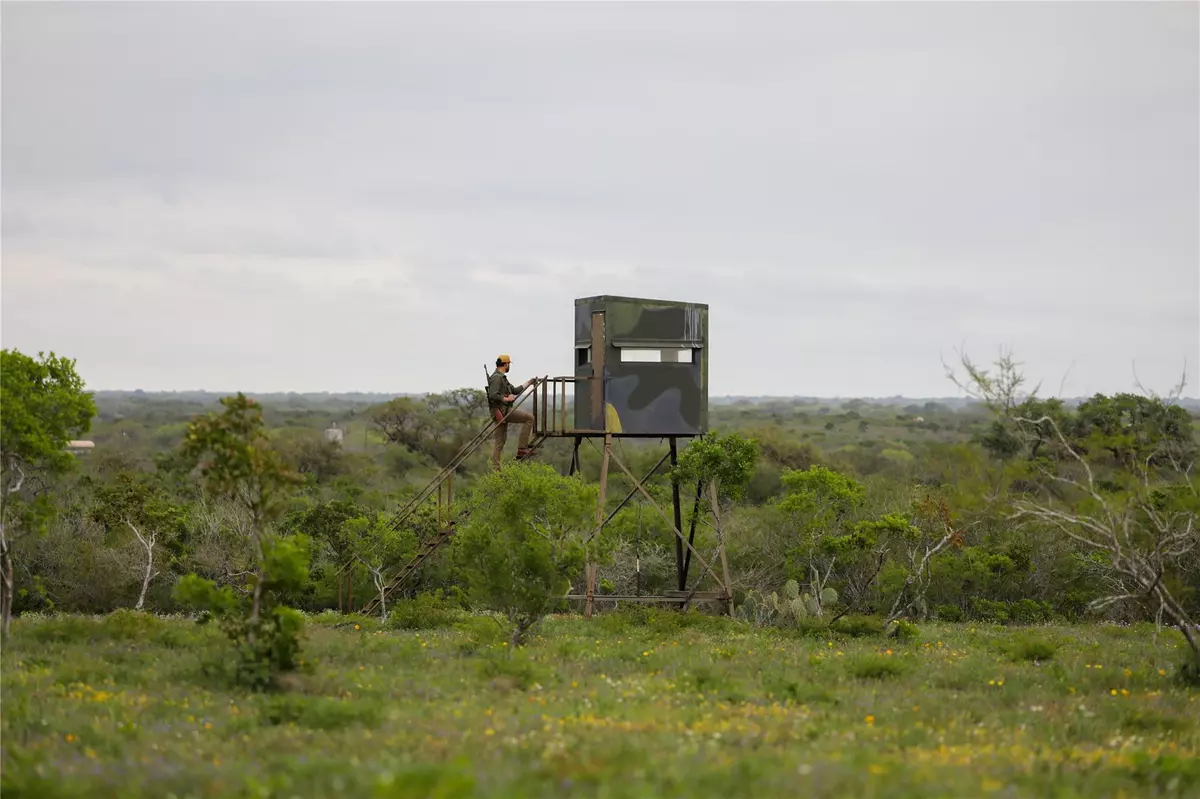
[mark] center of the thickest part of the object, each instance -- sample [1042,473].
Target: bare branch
[1062,385]
[20,480]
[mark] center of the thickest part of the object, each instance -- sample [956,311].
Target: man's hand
[529,382]
[510,398]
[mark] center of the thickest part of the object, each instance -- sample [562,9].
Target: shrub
[950,613]
[132,625]
[989,610]
[526,536]
[857,626]
[1031,648]
[430,611]
[905,631]
[266,634]
[1028,611]
[512,668]
[875,667]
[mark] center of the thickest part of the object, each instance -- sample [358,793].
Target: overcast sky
[383,197]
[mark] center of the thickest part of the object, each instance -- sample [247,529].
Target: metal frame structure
[553,419]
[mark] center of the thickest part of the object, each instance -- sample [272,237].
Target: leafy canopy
[728,460]
[524,539]
[235,455]
[43,405]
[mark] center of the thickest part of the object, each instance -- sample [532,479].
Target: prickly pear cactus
[748,610]
[798,609]
[813,606]
[829,596]
[791,589]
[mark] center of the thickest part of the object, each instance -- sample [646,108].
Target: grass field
[624,705]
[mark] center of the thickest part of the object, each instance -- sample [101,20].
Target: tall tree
[43,405]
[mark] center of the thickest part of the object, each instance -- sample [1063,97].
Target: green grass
[627,705]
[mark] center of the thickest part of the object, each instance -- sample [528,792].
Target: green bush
[857,626]
[524,540]
[989,610]
[875,667]
[1029,611]
[951,613]
[905,631]
[1031,648]
[132,625]
[428,611]
[509,667]
[268,642]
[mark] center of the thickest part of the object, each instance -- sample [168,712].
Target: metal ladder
[445,531]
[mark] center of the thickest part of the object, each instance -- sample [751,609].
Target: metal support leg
[687,560]
[680,574]
[591,567]
[725,582]
[575,457]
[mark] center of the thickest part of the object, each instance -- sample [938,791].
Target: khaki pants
[516,416]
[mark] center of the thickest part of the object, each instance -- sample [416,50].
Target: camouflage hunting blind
[641,367]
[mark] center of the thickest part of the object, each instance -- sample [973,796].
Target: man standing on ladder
[501,395]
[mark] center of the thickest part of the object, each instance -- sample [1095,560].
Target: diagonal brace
[657,507]
[629,496]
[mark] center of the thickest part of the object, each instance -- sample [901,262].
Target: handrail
[465,452]
[550,416]
[429,547]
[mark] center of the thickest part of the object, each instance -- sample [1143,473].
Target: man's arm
[515,390]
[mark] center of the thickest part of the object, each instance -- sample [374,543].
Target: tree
[1131,429]
[722,467]
[467,406]
[378,546]
[324,525]
[406,422]
[525,536]
[922,543]
[818,503]
[237,462]
[43,405]
[133,503]
[308,455]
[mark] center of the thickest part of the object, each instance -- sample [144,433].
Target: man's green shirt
[498,389]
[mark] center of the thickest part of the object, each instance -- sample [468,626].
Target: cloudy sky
[381,197]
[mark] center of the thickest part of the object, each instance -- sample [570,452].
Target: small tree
[134,504]
[818,503]
[43,405]
[921,544]
[722,466]
[524,537]
[378,546]
[237,462]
